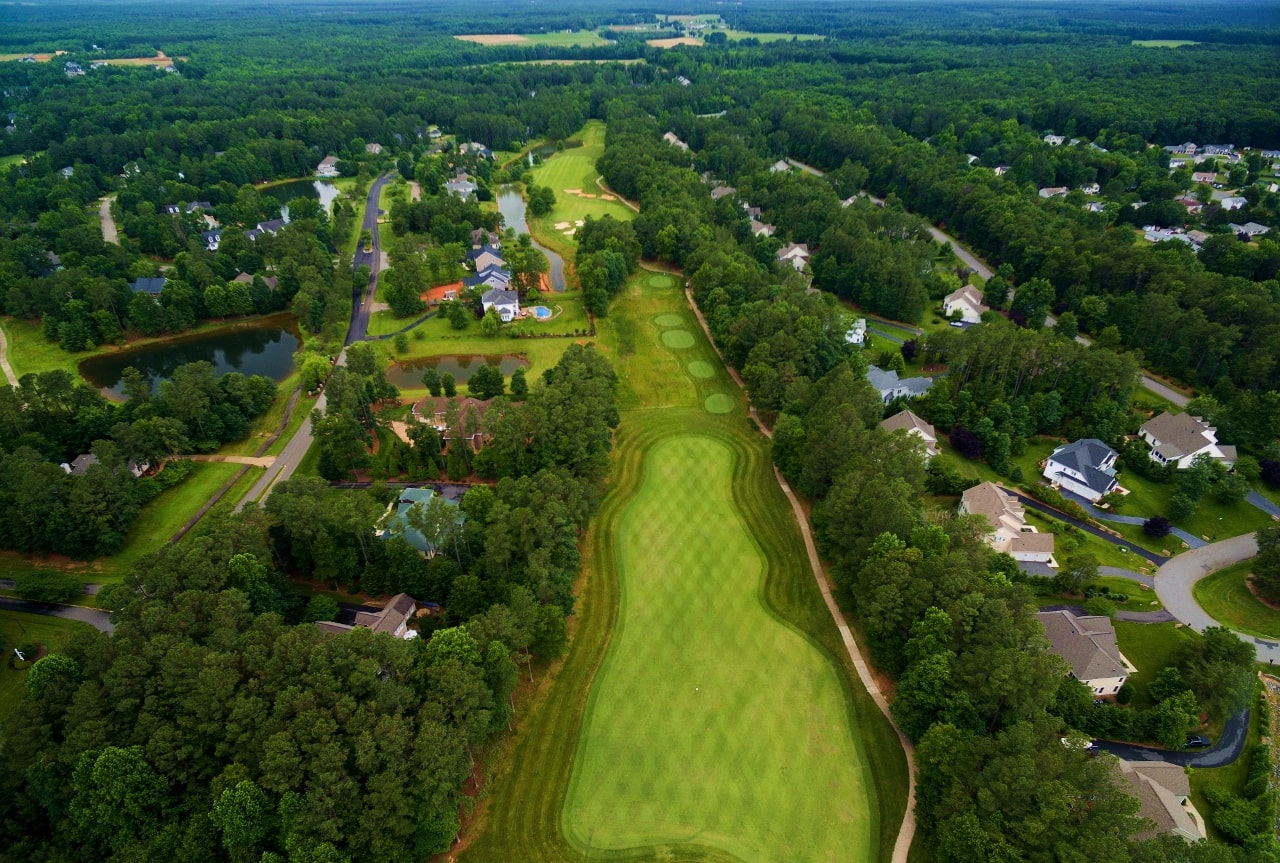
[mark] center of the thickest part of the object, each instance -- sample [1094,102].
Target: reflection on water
[408,373]
[512,207]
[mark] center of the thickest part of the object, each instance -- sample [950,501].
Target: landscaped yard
[1150,647]
[21,628]
[1211,519]
[721,720]
[1227,599]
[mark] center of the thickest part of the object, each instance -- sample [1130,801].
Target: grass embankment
[1227,599]
[736,608]
[21,628]
[1150,647]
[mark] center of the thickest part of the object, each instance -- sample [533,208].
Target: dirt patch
[493,38]
[671,43]
[435,296]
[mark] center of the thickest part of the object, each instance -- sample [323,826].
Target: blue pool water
[542,312]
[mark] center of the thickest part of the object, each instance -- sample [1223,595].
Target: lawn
[10,161]
[737,35]
[707,639]
[1150,647]
[574,168]
[1211,519]
[22,628]
[1227,599]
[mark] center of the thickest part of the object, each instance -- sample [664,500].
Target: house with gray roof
[1164,796]
[148,286]
[1088,644]
[1248,230]
[1085,467]
[1179,438]
[506,302]
[891,387]
[395,521]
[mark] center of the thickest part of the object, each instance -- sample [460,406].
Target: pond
[264,348]
[407,374]
[511,205]
[325,193]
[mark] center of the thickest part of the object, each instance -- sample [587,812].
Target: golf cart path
[906,834]
[4,360]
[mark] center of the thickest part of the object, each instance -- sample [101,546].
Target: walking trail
[4,360]
[906,834]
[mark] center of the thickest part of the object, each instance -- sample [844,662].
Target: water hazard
[511,205]
[407,374]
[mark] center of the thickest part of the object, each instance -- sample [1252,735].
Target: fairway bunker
[701,369]
[718,403]
[677,339]
[669,321]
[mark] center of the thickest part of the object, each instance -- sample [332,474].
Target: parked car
[1196,741]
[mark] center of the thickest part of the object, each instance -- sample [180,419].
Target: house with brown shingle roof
[967,301]
[432,411]
[1010,534]
[392,620]
[1088,644]
[1164,794]
[910,423]
[1179,438]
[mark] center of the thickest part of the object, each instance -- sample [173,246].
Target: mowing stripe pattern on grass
[710,722]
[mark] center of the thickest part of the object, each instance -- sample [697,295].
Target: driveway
[98,619]
[1177,577]
[1222,753]
[1032,503]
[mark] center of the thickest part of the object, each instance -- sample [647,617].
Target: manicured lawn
[1226,598]
[1161,43]
[708,641]
[1211,519]
[10,161]
[1070,539]
[574,168]
[1139,599]
[1150,647]
[22,628]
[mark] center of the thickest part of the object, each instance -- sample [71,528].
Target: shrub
[321,607]
[1270,472]
[1157,526]
[47,586]
[1099,606]
[1181,507]
[966,443]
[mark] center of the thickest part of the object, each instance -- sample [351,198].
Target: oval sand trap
[699,369]
[677,339]
[669,320]
[718,403]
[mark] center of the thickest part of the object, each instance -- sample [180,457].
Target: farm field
[710,640]
[674,41]
[574,39]
[739,35]
[1226,598]
[1161,43]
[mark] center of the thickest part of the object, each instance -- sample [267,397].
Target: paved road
[362,301]
[1222,753]
[98,619]
[4,360]
[1176,578]
[109,233]
[1263,503]
[1127,573]
[1163,390]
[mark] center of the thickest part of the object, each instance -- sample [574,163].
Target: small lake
[511,205]
[408,374]
[258,349]
[318,190]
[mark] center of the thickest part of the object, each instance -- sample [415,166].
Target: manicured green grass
[10,161]
[737,35]
[574,168]
[1211,519]
[1139,599]
[574,39]
[1150,647]
[1161,43]
[1227,599]
[22,628]
[1070,539]
[723,766]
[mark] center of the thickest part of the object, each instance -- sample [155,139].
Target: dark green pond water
[408,374]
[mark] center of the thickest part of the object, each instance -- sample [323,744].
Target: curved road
[95,617]
[1222,753]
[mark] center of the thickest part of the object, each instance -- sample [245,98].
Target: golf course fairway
[711,722]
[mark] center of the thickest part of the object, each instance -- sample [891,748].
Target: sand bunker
[608,198]
[560,226]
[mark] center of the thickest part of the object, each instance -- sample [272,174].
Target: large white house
[506,302]
[1010,532]
[912,424]
[796,254]
[857,332]
[890,386]
[328,167]
[1088,644]
[967,301]
[1179,438]
[1086,467]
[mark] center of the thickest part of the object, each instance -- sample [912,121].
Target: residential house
[80,464]
[890,386]
[1091,188]
[752,212]
[462,185]
[1248,230]
[1054,140]
[1086,467]
[967,301]
[195,206]
[795,254]
[1233,202]
[1218,149]
[212,239]
[1088,644]
[673,140]
[490,277]
[1095,207]
[1164,795]
[1209,177]
[148,286]
[719,192]
[1153,234]
[1179,438]
[434,412]
[1001,170]
[761,229]
[780,167]
[1187,149]
[72,68]
[172,209]
[485,257]
[1192,204]
[507,303]
[481,238]
[1197,238]
[374,149]
[970,158]
[683,81]
[392,620]
[1010,533]
[476,148]
[270,227]
[328,167]
[857,332]
[1054,192]
[910,423]
[272,282]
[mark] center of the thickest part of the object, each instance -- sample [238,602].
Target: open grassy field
[1161,43]
[1211,519]
[560,39]
[1226,598]
[751,625]
[574,169]
[9,161]
[22,628]
[1150,647]
[739,35]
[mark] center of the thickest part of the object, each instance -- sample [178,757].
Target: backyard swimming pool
[542,312]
